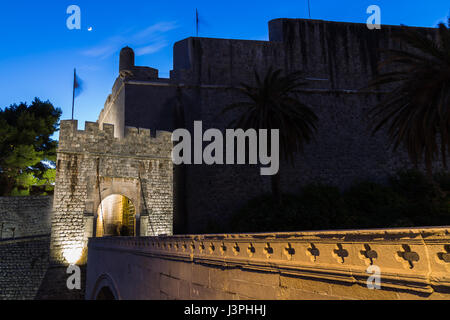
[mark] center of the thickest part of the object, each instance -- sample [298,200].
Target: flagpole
[73,95]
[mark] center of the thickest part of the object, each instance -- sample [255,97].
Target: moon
[90,29]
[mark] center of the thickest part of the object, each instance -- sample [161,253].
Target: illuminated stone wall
[91,165]
[413,264]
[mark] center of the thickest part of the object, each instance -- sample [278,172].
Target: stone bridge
[412,264]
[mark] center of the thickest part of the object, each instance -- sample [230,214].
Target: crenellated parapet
[136,141]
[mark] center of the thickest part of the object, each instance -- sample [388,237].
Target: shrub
[428,204]
[318,207]
[264,214]
[409,200]
[371,205]
[321,207]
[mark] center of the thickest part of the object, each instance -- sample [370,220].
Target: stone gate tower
[92,165]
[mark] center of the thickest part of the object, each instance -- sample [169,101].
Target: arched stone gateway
[116,216]
[95,168]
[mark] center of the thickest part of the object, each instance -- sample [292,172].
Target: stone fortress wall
[23,265]
[25,216]
[24,245]
[338,59]
[114,157]
[49,235]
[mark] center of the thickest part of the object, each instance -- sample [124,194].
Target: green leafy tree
[273,103]
[27,152]
[416,111]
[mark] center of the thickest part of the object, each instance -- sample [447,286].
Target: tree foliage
[27,151]
[416,111]
[273,103]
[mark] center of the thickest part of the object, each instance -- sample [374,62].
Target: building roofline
[349,23]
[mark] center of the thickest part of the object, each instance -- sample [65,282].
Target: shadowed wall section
[337,58]
[413,264]
[23,265]
[25,216]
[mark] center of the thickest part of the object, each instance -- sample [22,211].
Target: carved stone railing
[413,259]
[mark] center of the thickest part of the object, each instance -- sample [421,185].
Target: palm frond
[416,111]
[272,103]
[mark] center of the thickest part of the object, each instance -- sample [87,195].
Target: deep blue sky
[38,52]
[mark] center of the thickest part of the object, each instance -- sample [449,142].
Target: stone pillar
[143,225]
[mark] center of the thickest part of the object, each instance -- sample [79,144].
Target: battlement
[137,141]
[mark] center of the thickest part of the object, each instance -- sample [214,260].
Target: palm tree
[272,103]
[416,111]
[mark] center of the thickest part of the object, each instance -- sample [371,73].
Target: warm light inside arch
[116,216]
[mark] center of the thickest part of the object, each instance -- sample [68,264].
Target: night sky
[38,52]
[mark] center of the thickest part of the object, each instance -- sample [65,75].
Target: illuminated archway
[116,216]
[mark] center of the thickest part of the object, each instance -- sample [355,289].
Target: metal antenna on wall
[309,8]
[74,87]
[196,21]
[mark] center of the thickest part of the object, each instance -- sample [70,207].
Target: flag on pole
[77,88]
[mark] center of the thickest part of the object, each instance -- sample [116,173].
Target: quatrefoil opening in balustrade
[368,255]
[407,256]
[289,251]
[444,257]
[313,252]
[236,249]
[251,250]
[268,250]
[211,248]
[201,248]
[223,248]
[340,253]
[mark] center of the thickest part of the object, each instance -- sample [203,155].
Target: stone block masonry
[25,216]
[26,272]
[93,164]
[23,264]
